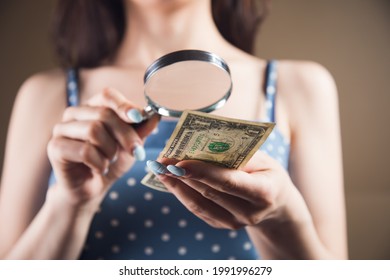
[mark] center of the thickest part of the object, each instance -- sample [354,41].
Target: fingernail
[156,167]
[176,170]
[134,115]
[139,152]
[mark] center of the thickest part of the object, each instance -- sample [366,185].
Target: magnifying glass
[186,80]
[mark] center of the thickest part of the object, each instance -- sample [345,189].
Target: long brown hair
[87,32]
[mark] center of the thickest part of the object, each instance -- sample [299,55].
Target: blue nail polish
[176,170]
[134,115]
[156,167]
[139,153]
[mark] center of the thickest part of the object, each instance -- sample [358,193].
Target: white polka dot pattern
[131,182]
[247,246]
[148,196]
[131,210]
[182,251]
[72,85]
[114,223]
[215,248]
[148,251]
[115,249]
[165,237]
[132,236]
[113,195]
[199,236]
[165,210]
[182,223]
[148,223]
[233,234]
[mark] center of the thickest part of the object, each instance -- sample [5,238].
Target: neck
[154,31]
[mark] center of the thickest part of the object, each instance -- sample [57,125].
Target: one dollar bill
[219,140]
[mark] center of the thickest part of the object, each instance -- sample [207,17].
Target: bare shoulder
[39,105]
[43,85]
[306,87]
[307,78]
[43,94]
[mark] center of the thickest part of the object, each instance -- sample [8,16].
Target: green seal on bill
[219,147]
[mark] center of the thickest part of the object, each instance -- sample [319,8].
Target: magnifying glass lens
[187,80]
[188,85]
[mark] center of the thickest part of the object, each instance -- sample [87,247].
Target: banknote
[219,140]
[151,181]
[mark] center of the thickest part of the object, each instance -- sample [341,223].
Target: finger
[234,182]
[145,128]
[92,131]
[200,206]
[126,110]
[63,151]
[124,134]
[243,210]
[224,200]
[260,161]
[115,100]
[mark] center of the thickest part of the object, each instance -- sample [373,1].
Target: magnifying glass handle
[148,112]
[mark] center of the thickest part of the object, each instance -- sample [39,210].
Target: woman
[94,207]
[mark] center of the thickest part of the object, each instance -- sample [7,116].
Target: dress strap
[72,87]
[270,89]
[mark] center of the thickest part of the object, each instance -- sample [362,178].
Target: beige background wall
[350,37]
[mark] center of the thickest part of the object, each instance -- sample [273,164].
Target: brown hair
[87,32]
[239,20]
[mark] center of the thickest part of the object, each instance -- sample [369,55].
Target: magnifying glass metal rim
[179,56]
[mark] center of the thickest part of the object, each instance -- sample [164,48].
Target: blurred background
[351,38]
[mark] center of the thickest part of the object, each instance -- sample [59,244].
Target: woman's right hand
[96,144]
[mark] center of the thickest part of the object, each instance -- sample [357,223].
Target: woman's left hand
[227,198]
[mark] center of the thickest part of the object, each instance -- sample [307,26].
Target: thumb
[145,128]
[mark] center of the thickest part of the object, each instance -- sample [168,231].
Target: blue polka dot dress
[136,222]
